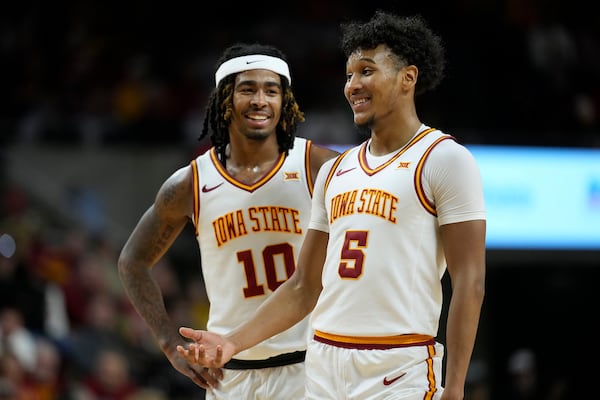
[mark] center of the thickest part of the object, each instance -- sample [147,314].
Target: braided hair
[219,108]
[409,38]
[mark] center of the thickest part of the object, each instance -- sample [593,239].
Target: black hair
[409,38]
[218,110]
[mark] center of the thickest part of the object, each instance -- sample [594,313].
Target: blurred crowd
[139,73]
[67,330]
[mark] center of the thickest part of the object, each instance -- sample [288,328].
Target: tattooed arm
[154,234]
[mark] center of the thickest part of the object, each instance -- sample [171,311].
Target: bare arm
[464,245]
[290,303]
[152,237]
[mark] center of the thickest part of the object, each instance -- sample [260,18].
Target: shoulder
[320,154]
[176,191]
[451,151]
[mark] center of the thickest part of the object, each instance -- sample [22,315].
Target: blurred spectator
[97,333]
[110,378]
[477,384]
[40,302]
[16,339]
[12,379]
[46,380]
[523,373]
[17,218]
[198,302]
[21,291]
[89,278]
[525,380]
[80,81]
[149,394]
[7,389]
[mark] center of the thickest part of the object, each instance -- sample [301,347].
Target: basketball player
[389,218]
[248,198]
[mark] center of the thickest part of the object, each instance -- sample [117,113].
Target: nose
[352,83]
[259,98]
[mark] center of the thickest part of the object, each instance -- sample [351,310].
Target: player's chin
[363,121]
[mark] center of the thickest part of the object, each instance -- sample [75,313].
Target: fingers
[190,353]
[185,353]
[206,378]
[196,354]
[203,358]
[209,378]
[219,355]
[190,333]
[216,372]
[199,381]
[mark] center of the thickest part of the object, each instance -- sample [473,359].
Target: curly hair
[219,108]
[409,38]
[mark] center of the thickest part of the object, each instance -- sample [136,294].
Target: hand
[208,350]
[200,375]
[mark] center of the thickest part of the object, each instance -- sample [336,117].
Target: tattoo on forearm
[162,241]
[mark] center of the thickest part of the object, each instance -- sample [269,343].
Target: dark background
[519,72]
[134,76]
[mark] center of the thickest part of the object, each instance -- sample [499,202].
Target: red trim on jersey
[196,187]
[373,342]
[250,188]
[429,206]
[430,373]
[307,168]
[362,154]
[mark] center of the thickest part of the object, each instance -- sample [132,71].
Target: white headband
[255,61]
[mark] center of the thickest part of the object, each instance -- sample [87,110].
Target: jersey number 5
[352,257]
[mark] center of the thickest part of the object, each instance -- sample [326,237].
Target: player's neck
[249,164]
[392,137]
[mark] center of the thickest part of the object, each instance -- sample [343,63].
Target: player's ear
[409,76]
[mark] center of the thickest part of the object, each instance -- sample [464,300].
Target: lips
[257,120]
[257,117]
[358,103]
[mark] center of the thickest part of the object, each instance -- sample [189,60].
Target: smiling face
[373,84]
[257,103]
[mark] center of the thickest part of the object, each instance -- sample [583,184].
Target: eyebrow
[254,82]
[368,59]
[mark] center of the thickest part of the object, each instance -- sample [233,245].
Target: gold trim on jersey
[373,342]
[235,182]
[428,205]
[307,169]
[196,188]
[362,155]
[430,374]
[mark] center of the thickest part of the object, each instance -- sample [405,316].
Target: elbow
[304,292]
[123,266]
[479,291]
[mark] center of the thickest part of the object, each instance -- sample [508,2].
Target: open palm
[207,349]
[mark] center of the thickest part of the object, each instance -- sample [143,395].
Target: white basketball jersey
[249,238]
[382,275]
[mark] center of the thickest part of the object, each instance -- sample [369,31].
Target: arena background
[101,101]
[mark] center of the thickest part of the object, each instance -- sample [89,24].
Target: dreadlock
[409,38]
[218,110]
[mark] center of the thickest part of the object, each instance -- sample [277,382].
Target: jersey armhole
[195,186]
[427,204]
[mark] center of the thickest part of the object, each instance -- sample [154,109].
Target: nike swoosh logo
[252,62]
[343,171]
[387,382]
[206,189]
